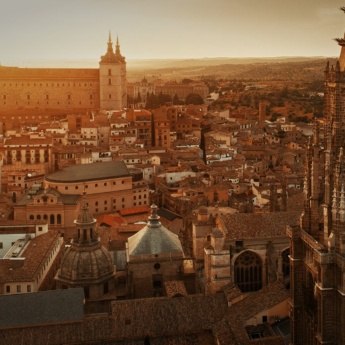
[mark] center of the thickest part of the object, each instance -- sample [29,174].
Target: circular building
[86,263]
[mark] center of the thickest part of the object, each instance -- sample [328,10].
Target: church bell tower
[112,78]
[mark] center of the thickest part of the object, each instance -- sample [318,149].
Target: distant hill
[263,68]
[282,68]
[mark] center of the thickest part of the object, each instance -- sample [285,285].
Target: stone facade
[154,256]
[110,187]
[317,301]
[66,89]
[246,249]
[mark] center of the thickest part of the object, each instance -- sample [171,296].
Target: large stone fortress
[66,89]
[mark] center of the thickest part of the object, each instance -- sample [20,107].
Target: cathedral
[66,89]
[317,257]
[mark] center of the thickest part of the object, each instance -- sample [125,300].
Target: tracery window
[248,272]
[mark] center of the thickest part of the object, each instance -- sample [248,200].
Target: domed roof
[85,216]
[86,261]
[154,238]
[86,265]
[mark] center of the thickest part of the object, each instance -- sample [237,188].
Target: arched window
[45,217]
[31,217]
[58,219]
[286,263]
[38,217]
[52,219]
[248,272]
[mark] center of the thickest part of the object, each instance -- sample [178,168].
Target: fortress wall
[43,88]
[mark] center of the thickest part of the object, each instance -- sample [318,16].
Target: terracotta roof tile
[256,225]
[34,257]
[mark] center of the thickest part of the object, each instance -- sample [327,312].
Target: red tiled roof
[110,219]
[134,210]
[260,225]
[36,254]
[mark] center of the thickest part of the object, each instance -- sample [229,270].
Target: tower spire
[110,44]
[117,51]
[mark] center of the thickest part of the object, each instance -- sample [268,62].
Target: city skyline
[76,31]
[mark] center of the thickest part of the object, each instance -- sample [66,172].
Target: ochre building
[65,89]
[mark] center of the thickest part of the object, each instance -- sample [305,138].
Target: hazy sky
[56,30]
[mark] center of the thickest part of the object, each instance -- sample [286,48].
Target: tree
[186,81]
[176,100]
[163,99]
[194,98]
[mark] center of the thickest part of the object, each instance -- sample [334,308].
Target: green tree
[186,81]
[162,99]
[194,98]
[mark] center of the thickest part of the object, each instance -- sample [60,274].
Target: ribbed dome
[86,265]
[85,216]
[85,262]
[154,238]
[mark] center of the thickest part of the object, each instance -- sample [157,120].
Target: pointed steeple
[117,45]
[109,56]
[110,44]
[327,67]
[341,42]
[117,51]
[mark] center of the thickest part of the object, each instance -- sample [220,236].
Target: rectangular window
[109,96]
[18,288]
[239,243]
[1,245]
[8,289]
[28,288]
